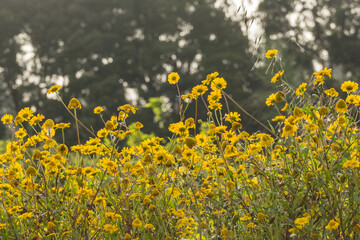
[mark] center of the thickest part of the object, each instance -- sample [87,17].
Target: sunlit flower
[136,223]
[333,224]
[271,53]
[98,110]
[301,89]
[54,89]
[173,78]
[277,76]
[341,106]
[74,103]
[349,86]
[7,119]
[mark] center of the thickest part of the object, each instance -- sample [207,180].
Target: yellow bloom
[288,130]
[110,228]
[349,86]
[353,99]
[199,90]
[150,227]
[277,76]
[341,106]
[232,117]
[278,119]
[319,76]
[54,89]
[209,78]
[331,92]
[218,83]
[136,223]
[301,89]
[26,113]
[173,78]
[138,125]
[271,53]
[74,103]
[333,224]
[127,108]
[7,119]
[98,110]
[271,99]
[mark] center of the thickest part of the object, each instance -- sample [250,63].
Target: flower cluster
[211,179]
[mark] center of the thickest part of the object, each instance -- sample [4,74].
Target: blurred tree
[323,32]
[113,52]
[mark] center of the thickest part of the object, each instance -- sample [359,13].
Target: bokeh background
[111,52]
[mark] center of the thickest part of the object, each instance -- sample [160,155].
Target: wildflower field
[298,178]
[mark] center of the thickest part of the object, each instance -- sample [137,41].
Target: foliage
[298,180]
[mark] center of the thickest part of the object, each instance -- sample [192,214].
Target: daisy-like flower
[110,228]
[277,76]
[173,78]
[341,106]
[271,99]
[331,92]
[199,90]
[301,89]
[54,89]
[209,78]
[271,53]
[98,110]
[288,130]
[74,103]
[136,223]
[333,224]
[7,119]
[218,83]
[349,86]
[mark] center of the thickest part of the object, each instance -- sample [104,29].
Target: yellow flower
[54,89]
[98,110]
[173,78]
[214,96]
[271,53]
[333,224]
[138,125]
[62,125]
[26,215]
[110,228]
[7,119]
[331,92]
[341,106]
[278,119]
[31,171]
[302,221]
[301,89]
[353,99]
[215,106]
[319,76]
[136,223]
[288,130]
[209,78]
[349,86]
[36,119]
[232,117]
[74,103]
[277,76]
[199,90]
[25,113]
[218,83]
[261,216]
[127,108]
[271,99]
[150,227]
